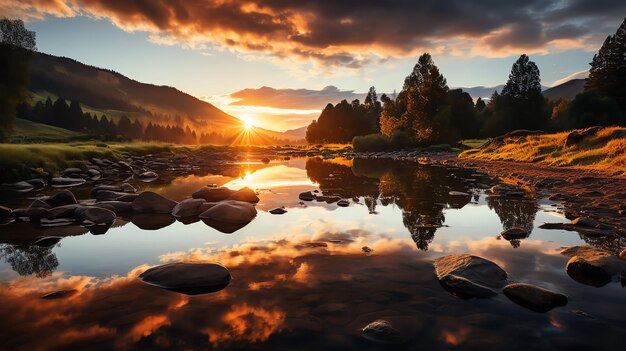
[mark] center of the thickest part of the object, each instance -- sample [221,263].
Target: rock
[473,268]
[60,294]
[107,195]
[62,212]
[592,266]
[306,196]
[514,233]
[458,193]
[116,206]
[278,211]
[622,254]
[125,167]
[94,174]
[37,183]
[150,202]
[148,177]
[20,187]
[213,194]
[381,331]
[366,249]
[245,194]
[71,170]
[58,222]
[465,288]
[572,139]
[63,182]
[62,198]
[47,241]
[127,188]
[533,297]
[188,208]
[188,278]
[5,212]
[265,160]
[37,210]
[587,222]
[230,211]
[343,203]
[95,215]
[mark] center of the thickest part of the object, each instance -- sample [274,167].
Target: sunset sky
[313,51]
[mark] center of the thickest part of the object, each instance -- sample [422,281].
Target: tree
[480,105]
[16,46]
[607,75]
[521,104]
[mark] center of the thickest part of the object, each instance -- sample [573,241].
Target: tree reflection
[30,259]
[421,192]
[514,213]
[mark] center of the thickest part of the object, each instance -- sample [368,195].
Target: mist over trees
[16,46]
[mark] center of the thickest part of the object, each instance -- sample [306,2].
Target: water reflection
[301,280]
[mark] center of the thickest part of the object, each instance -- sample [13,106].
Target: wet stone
[188,278]
[533,297]
[62,198]
[150,202]
[514,233]
[278,211]
[381,331]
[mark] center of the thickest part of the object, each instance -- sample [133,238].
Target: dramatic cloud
[351,33]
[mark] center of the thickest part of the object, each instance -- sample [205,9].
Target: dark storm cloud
[353,33]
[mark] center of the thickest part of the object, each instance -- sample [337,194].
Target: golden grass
[606,150]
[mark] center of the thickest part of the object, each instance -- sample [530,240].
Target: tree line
[427,111]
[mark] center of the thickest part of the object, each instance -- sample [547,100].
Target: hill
[30,132]
[565,91]
[107,92]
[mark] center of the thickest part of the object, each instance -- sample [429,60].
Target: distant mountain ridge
[566,91]
[104,89]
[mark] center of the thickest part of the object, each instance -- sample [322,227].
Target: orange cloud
[349,34]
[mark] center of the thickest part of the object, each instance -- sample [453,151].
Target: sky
[224,51]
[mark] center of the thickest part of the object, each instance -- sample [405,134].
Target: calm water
[289,291]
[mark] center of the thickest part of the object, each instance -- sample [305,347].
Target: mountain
[107,92]
[482,92]
[298,132]
[565,91]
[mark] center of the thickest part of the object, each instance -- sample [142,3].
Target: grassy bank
[15,158]
[604,150]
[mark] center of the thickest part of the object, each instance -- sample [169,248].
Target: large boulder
[213,194]
[188,278]
[62,198]
[188,208]
[95,215]
[230,211]
[245,194]
[469,276]
[66,211]
[306,196]
[533,297]
[593,266]
[150,202]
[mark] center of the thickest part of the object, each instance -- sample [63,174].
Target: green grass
[474,143]
[28,132]
[606,150]
[15,158]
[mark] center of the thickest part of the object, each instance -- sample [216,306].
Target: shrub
[400,140]
[370,142]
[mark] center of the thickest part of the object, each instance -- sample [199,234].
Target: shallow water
[301,280]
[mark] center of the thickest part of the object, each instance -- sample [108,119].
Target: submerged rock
[245,194]
[188,278]
[381,331]
[592,266]
[213,194]
[514,233]
[306,196]
[465,288]
[533,297]
[150,202]
[343,203]
[278,211]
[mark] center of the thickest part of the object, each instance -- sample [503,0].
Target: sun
[247,125]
